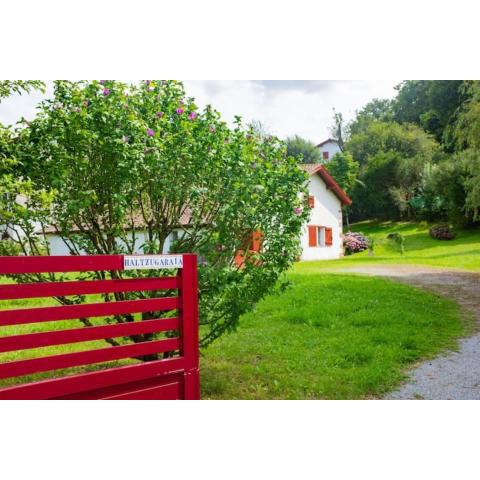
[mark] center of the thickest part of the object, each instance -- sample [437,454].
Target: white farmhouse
[328,148]
[322,236]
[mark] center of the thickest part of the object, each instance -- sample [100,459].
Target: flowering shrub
[443,231]
[354,242]
[127,162]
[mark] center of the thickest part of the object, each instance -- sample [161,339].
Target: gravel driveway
[456,375]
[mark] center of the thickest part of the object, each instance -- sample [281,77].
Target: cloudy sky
[285,107]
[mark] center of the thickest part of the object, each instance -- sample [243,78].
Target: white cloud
[285,107]
[290,107]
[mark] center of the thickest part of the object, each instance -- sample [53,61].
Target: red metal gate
[169,378]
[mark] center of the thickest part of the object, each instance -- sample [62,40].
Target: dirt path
[455,375]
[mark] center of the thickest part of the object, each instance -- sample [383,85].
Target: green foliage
[406,173]
[431,104]
[467,128]
[393,160]
[397,239]
[303,150]
[381,137]
[113,160]
[9,87]
[376,110]
[345,170]
[456,181]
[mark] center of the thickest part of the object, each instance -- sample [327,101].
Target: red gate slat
[57,387]
[57,289]
[54,362]
[60,263]
[70,312]
[61,337]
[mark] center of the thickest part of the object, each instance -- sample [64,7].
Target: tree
[456,182]
[345,171]
[8,87]
[392,158]
[337,129]
[12,184]
[375,110]
[303,150]
[118,159]
[467,127]
[431,104]
[407,140]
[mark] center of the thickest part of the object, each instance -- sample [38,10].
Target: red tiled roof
[313,168]
[138,222]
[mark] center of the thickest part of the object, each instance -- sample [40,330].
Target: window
[325,155]
[256,241]
[319,236]
[311,201]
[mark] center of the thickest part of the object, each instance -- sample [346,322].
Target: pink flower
[298,210]
[150,132]
[179,111]
[213,129]
[192,116]
[102,82]
[106,91]
[160,114]
[125,138]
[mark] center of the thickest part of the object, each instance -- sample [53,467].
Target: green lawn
[463,252]
[330,336]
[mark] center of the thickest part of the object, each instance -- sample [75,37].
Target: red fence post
[189,326]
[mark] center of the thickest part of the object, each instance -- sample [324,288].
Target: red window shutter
[312,236]
[328,237]
[257,238]
[311,201]
[239,258]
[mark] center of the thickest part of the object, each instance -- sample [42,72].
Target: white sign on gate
[147,262]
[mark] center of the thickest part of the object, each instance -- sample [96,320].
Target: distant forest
[416,156]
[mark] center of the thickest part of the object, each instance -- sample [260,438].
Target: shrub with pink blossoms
[354,242]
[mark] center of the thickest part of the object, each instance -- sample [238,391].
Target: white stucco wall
[327,212]
[58,247]
[331,147]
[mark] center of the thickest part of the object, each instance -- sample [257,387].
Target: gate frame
[170,378]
